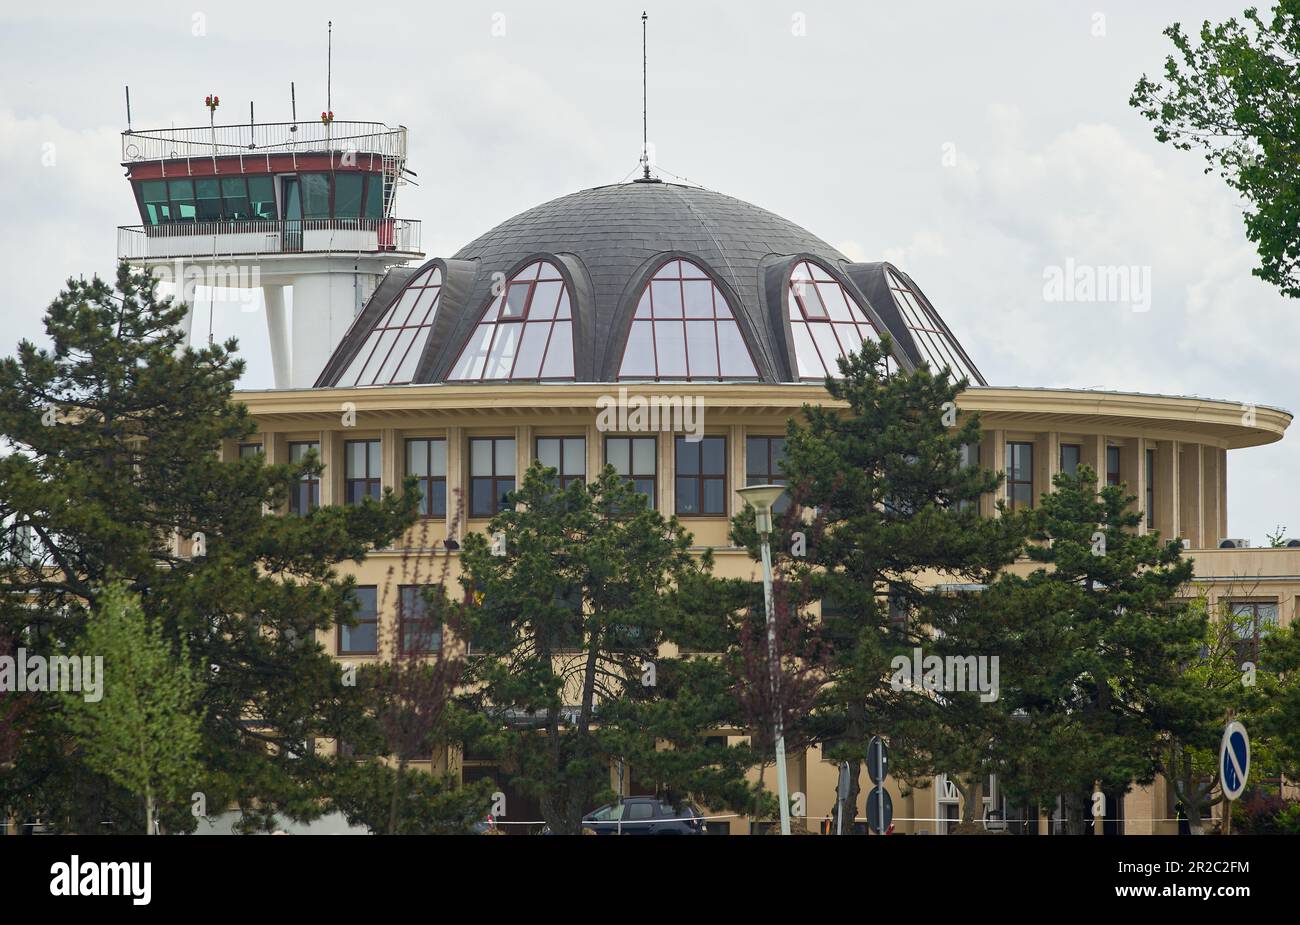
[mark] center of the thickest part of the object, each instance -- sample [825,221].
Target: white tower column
[277,329]
[324,305]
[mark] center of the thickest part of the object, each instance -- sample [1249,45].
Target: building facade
[460,371]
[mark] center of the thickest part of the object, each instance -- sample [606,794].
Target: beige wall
[1190,480]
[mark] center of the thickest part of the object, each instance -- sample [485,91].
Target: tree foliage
[113,468]
[572,597]
[1235,96]
[144,732]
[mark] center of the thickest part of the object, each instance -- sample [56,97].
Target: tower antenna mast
[329,65]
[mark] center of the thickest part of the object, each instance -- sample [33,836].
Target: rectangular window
[363,638]
[492,474]
[427,460]
[157,207]
[315,195]
[207,194]
[250,450]
[1151,488]
[416,630]
[261,197]
[701,476]
[1071,456]
[347,195]
[234,195]
[361,470]
[1020,475]
[763,459]
[374,196]
[1256,619]
[566,455]
[1112,465]
[182,197]
[636,459]
[306,494]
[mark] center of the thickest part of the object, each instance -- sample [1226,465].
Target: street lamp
[761,498]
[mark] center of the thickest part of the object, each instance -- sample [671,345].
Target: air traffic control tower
[305,205]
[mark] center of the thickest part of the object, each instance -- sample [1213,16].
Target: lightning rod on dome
[645,134]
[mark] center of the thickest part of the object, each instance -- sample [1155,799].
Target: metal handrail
[263,138]
[135,242]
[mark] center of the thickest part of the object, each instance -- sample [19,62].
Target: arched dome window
[931,336]
[526,332]
[393,346]
[825,322]
[684,329]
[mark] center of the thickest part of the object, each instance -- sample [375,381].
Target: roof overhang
[1226,424]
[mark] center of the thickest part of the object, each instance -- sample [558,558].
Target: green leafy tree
[1216,687]
[572,597]
[1235,96]
[144,731]
[1109,640]
[896,515]
[114,471]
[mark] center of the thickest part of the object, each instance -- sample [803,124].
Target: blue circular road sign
[1234,760]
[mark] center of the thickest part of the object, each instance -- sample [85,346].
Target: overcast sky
[976,145]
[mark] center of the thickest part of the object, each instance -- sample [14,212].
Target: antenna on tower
[128,109]
[329,66]
[293,106]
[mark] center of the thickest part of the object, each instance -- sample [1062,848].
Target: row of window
[1020,473]
[683,328]
[243,198]
[700,469]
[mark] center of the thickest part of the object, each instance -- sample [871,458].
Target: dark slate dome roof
[607,242]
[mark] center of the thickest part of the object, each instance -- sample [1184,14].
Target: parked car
[646,816]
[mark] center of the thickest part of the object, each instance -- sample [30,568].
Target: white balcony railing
[265,138]
[250,238]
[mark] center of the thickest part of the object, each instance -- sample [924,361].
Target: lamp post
[761,498]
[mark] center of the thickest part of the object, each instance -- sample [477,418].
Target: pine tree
[143,729]
[573,595]
[115,431]
[896,513]
[1104,639]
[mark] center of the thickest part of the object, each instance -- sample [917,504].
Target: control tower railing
[205,240]
[264,138]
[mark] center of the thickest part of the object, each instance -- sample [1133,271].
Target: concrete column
[277,329]
[1094,454]
[1138,486]
[735,467]
[1130,468]
[331,480]
[1167,519]
[993,456]
[457,485]
[665,490]
[1223,494]
[1047,450]
[1053,461]
[323,309]
[1211,522]
[390,459]
[595,451]
[523,451]
[1190,492]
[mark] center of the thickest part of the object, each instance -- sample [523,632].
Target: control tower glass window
[347,195]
